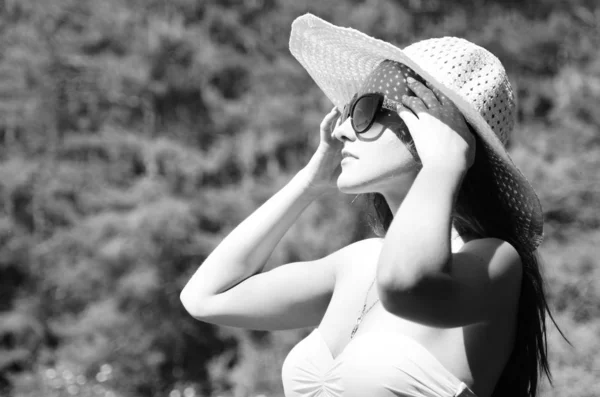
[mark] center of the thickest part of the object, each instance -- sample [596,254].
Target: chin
[352,190]
[355,183]
[352,183]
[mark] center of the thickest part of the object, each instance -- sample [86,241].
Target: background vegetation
[135,134]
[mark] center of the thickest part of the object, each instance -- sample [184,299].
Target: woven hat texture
[340,59]
[389,79]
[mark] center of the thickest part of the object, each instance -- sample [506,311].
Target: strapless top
[373,364]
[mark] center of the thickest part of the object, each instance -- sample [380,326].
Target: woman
[449,297]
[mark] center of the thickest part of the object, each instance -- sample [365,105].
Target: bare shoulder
[360,252]
[501,257]
[493,265]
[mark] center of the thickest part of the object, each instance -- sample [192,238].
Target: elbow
[402,278]
[400,297]
[405,284]
[410,294]
[186,301]
[394,290]
[397,278]
[190,303]
[389,297]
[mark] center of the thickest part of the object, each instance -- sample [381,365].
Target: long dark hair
[478,211]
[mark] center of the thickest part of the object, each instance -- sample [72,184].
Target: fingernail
[410,79]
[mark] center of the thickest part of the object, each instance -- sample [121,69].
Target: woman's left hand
[439,130]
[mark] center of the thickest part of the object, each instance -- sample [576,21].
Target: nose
[344,131]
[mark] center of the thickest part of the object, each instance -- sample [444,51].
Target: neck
[394,201]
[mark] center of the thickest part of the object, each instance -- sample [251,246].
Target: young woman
[449,296]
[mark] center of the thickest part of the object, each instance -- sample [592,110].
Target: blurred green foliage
[135,134]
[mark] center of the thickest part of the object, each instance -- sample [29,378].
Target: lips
[347,154]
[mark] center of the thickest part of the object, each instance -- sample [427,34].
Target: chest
[388,356]
[377,364]
[346,306]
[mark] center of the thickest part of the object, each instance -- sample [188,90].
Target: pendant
[358,320]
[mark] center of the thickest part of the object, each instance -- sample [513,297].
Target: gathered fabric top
[374,364]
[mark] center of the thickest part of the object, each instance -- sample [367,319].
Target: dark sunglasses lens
[364,112]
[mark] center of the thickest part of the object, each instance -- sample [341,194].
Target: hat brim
[340,59]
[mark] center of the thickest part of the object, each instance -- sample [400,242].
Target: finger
[338,121]
[438,94]
[414,103]
[424,93]
[335,113]
[449,108]
[408,117]
[443,98]
[329,119]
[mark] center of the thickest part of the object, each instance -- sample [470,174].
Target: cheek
[393,152]
[386,157]
[394,158]
[402,133]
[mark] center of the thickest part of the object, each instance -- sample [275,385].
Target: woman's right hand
[324,167]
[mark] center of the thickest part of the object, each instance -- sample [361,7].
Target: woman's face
[380,161]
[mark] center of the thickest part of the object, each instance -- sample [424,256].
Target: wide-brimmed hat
[340,59]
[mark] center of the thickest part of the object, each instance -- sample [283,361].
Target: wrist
[443,179]
[444,169]
[307,184]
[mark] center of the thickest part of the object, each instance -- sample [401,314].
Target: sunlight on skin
[438,128]
[382,162]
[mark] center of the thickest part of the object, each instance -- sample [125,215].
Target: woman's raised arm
[245,251]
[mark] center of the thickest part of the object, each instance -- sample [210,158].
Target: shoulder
[499,255]
[492,263]
[366,246]
[363,253]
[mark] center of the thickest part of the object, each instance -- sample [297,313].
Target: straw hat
[340,59]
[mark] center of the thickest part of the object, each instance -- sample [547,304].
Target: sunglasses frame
[382,102]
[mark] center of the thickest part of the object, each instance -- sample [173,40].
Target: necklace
[364,310]
[453,237]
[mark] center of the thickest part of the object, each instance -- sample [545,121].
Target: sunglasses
[363,110]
